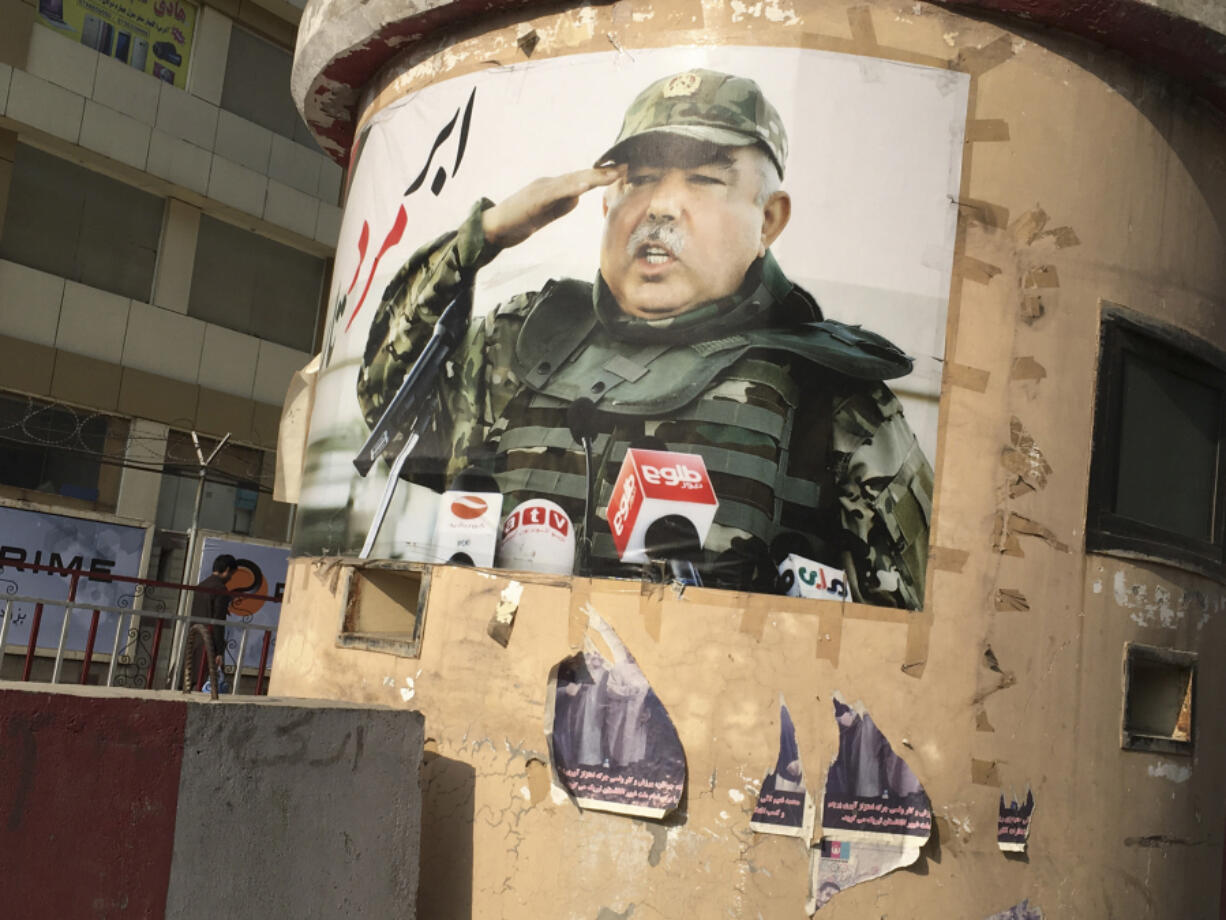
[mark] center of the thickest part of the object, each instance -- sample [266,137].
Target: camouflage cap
[708,106]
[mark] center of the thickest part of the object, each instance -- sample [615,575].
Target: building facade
[166,227]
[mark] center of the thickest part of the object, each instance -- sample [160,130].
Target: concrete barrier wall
[161,805]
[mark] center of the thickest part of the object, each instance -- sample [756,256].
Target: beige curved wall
[1084,180]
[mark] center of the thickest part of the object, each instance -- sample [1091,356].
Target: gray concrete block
[303,811]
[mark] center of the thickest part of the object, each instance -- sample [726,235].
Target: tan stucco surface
[1084,180]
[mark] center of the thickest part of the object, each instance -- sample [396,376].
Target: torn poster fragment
[1013,823]
[501,623]
[613,745]
[784,804]
[1021,911]
[875,813]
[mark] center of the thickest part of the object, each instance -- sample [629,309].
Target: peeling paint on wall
[772,10]
[503,620]
[1164,769]
[1156,605]
[1009,528]
[1024,460]
[1011,599]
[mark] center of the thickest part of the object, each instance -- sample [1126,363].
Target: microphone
[802,577]
[583,419]
[654,484]
[537,536]
[674,539]
[466,526]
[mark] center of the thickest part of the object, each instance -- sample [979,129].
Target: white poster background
[873,171]
[273,562]
[40,534]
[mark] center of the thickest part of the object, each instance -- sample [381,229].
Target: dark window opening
[1157,467]
[81,225]
[251,284]
[256,87]
[59,450]
[1158,697]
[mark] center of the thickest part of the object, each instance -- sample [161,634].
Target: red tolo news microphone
[655,484]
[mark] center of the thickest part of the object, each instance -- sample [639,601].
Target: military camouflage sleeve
[884,485]
[411,304]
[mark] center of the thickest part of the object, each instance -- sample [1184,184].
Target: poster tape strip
[984,212]
[947,559]
[915,658]
[651,600]
[830,634]
[980,130]
[863,35]
[969,378]
[984,773]
[753,620]
[977,61]
[975,270]
[876,614]
[1027,368]
[580,595]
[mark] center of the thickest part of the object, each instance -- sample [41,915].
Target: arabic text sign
[152,36]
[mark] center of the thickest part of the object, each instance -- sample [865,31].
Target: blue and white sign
[91,547]
[261,570]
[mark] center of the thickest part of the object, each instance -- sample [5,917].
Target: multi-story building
[166,228]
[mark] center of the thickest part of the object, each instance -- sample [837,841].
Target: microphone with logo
[466,529]
[537,536]
[801,576]
[662,506]
[674,539]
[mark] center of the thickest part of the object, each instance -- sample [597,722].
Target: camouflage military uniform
[805,445]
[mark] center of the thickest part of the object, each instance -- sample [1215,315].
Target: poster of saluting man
[736,254]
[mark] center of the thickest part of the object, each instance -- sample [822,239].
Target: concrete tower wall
[1089,181]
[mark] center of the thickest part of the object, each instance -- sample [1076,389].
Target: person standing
[214,606]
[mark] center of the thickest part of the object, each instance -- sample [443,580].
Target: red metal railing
[71,605]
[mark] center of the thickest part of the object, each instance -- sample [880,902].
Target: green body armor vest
[563,353]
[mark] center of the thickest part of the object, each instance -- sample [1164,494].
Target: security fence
[139,642]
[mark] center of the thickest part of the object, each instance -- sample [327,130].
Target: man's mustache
[655,230]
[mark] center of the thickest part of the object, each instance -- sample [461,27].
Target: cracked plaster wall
[1084,179]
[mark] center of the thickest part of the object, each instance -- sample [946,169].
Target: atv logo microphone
[537,536]
[653,484]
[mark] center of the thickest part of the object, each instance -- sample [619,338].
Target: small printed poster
[784,805]
[613,745]
[152,36]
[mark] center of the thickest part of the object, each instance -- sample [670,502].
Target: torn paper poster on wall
[784,804]
[1021,911]
[613,744]
[875,813]
[503,620]
[1013,824]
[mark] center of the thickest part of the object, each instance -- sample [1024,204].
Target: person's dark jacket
[214,607]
